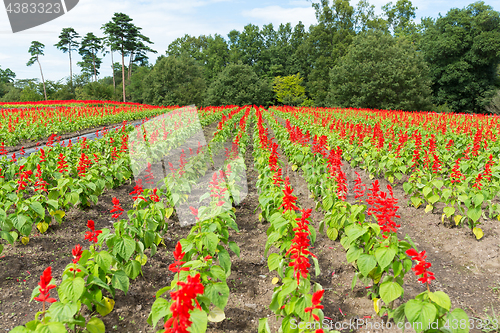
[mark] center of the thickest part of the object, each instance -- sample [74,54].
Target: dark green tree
[238,84]
[68,41]
[121,34]
[90,47]
[6,75]
[174,81]
[383,72]
[327,42]
[400,18]
[463,52]
[36,50]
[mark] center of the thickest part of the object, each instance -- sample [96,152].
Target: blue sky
[163,21]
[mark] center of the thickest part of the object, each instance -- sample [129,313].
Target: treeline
[350,58]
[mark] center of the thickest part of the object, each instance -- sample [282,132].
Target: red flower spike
[183,304]
[92,235]
[116,208]
[45,287]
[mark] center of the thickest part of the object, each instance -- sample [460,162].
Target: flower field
[246,219]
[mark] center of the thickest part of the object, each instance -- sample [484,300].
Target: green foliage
[136,88]
[174,81]
[6,75]
[90,47]
[288,89]
[463,52]
[380,71]
[95,91]
[238,84]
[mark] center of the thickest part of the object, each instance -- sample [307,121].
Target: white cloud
[278,14]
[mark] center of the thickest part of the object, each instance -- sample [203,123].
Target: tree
[6,75]
[67,42]
[327,42]
[382,72]
[174,81]
[463,52]
[400,18]
[238,84]
[288,89]
[137,49]
[91,45]
[121,34]
[36,50]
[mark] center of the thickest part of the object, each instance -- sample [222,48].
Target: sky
[163,21]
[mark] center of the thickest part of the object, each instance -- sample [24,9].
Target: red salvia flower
[178,255]
[116,208]
[3,151]
[183,304]
[194,211]
[316,300]
[359,187]
[92,235]
[138,190]
[114,155]
[77,254]
[42,156]
[277,177]
[289,199]
[477,183]
[23,176]
[299,249]
[149,178]
[40,184]
[456,175]
[45,287]
[83,164]
[422,267]
[62,165]
[154,197]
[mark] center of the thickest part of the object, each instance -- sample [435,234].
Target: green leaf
[235,248]
[120,281]
[95,325]
[389,291]
[125,247]
[441,299]
[38,208]
[454,317]
[384,256]
[449,211]
[71,289]
[133,268]
[63,311]
[104,260]
[160,308]
[210,240]
[218,293]
[225,261]
[474,213]
[263,326]
[353,253]
[422,313]
[199,321]
[273,261]
[51,328]
[366,263]
[332,233]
